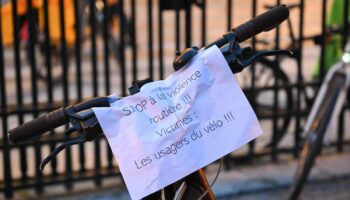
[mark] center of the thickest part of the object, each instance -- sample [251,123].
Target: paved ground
[336,190]
[329,180]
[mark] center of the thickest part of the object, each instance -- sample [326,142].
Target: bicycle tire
[314,137]
[308,156]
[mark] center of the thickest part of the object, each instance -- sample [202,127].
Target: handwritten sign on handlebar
[176,126]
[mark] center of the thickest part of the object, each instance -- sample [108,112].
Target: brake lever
[84,122]
[260,54]
[238,58]
[57,150]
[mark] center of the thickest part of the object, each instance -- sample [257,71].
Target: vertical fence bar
[68,158]
[19,88]
[323,40]
[160,43]
[298,56]
[6,149]
[93,48]
[177,28]
[48,65]
[252,143]
[204,27]
[39,186]
[106,36]
[134,40]
[97,160]
[188,23]
[78,11]
[150,38]
[229,15]
[229,22]
[64,52]
[122,48]
[275,98]
[48,62]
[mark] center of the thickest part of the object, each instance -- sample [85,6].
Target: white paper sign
[174,127]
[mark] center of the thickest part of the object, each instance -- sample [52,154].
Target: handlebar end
[262,23]
[10,138]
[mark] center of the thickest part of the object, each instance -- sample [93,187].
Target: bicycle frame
[325,110]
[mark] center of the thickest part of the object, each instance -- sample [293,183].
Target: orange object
[22,6]
[6,24]
[54,19]
[111,2]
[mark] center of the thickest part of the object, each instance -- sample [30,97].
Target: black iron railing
[39,73]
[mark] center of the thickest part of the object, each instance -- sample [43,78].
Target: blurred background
[55,53]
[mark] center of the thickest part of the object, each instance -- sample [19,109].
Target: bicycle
[269,71]
[308,96]
[83,120]
[326,108]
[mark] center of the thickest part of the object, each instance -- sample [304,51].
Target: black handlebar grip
[264,22]
[38,126]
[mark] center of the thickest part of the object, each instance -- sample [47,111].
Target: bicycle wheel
[311,149]
[266,72]
[327,100]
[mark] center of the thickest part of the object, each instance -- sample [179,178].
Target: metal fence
[55,53]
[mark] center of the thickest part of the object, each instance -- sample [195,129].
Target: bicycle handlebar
[261,23]
[54,119]
[38,126]
[264,22]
